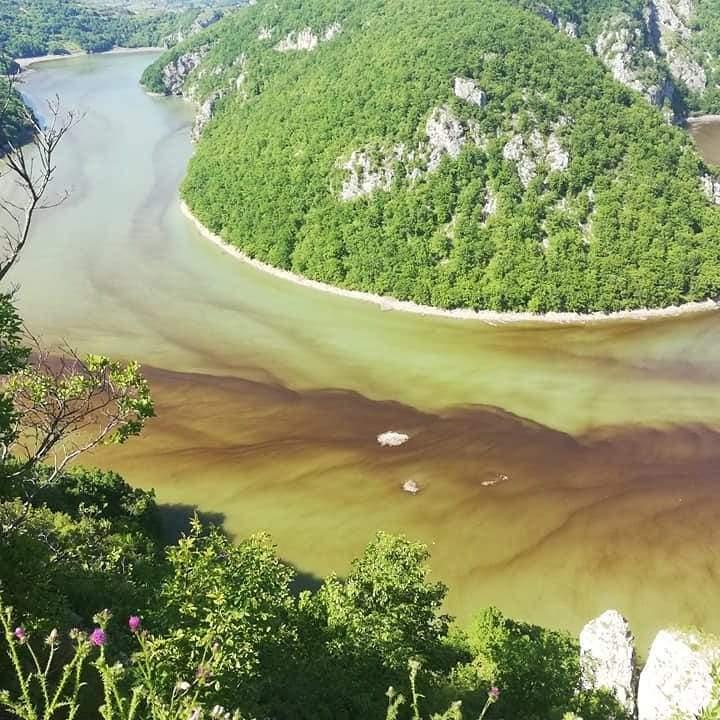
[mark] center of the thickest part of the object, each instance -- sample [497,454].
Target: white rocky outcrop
[607,658]
[445,136]
[568,27]
[711,188]
[668,23]
[677,681]
[556,156]
[391,438]
[264,33]
[302,40]
[515,150]
[468,90]
[203,20]
[331,31]
[491,204]
[531,151]
[307,39]
[204,115]
[366,173]
[176,73]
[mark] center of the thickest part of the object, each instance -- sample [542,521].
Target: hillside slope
[452,154]
[668,50]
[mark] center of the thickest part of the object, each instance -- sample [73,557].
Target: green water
[270,396]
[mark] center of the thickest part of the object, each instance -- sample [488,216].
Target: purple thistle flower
[494,693]
[20,634]
[98,637]
[134,623]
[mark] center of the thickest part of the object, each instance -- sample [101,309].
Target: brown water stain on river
[273,395]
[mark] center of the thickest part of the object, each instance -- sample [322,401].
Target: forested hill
[668,50]
[455,154]
[44,27]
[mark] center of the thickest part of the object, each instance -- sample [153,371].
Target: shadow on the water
[175,520]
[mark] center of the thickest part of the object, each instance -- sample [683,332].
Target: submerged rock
[677,681]
[607,658]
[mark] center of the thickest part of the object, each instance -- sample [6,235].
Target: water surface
[270,397]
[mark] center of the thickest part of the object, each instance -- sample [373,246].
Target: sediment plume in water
[550,527]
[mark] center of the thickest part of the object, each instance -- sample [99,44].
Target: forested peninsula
[455,156]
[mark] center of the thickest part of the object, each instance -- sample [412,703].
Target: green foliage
[386,607]
[87,537]
[237,595]
[624,226]
[58,27]
[538,670]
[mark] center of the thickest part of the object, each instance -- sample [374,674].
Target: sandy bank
[491,317]
[703,120]
[25,63]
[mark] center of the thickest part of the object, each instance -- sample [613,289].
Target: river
[270,397]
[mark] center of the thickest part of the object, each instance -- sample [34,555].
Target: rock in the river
[607,658]
[676,683]
[392,438]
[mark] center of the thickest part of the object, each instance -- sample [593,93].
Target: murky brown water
[272,395]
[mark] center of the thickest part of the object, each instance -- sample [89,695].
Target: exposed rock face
[491,204]
[633,49]
[366,174]
[204,115]
[711,188]
[175,73]
[306,39]
[446,136]
[668,23]
[528,153]
[466,89]
[557,157]
[202,21]
[677,683]
[331,31]
[371,169]
[607,658]
[264,33]
[566,26]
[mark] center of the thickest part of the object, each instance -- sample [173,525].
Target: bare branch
[32,168]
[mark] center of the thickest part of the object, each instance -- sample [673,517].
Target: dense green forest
[481,218]
[14,124]
[60,26]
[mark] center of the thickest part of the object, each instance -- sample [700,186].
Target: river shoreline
[489,317]
[25,63]
[702,120]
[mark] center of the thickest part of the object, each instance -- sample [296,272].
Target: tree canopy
[560,190]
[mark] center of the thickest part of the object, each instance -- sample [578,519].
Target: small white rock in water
[392,438]
[500,478]
[410,486]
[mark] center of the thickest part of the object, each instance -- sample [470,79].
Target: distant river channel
[563,470]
